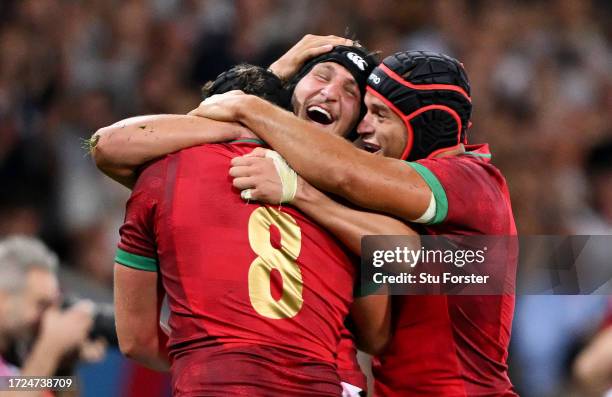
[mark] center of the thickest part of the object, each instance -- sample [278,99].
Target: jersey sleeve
[462,189]
[137,245]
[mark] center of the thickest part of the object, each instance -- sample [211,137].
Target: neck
[452,152]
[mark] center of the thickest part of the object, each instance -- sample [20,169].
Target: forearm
[138,296]
[151,354]
[42,361]
[349,225]
[369,181]
[289,135]
[121,148]
[372,318]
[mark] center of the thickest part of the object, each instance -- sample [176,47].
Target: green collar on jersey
[487,155]
[249,140]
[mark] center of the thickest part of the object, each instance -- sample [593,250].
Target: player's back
[456,345]
[257,294]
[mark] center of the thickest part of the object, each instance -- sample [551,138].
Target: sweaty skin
[347,223]
[367,180]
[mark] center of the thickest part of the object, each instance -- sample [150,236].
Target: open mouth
[370,147]
[319,115]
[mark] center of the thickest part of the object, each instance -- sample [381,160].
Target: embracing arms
[367,180]
[349,224]
[371,314]
[121,148]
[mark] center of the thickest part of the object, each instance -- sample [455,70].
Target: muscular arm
[121,148]
[348,224]
[258,173]
[369,181]
[138,300]
[371,314]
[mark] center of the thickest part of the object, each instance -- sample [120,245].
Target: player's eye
[322,76]
[351,92]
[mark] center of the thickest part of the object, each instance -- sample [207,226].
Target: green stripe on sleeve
[438,192]
[135,261]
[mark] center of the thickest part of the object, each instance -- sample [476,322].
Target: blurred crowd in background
[541,75]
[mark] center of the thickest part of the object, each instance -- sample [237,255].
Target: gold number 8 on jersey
[283,260]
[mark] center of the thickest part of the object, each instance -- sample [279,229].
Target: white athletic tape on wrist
[429,213]
[287,176]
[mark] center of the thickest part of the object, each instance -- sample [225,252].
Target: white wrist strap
[287,176]
[429,213]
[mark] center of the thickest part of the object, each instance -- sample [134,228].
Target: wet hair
[250,79]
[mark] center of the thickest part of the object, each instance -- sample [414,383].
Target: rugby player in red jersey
[125,146]
[237,327]
[419,108]
[127,258]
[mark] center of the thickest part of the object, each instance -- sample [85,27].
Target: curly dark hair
[250,79]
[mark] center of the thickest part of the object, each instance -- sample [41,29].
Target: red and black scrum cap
[431,93]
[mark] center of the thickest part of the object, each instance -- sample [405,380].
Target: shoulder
[469,168]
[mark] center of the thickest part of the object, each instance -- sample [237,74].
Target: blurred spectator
[596,216]
[31,317]
[593,366]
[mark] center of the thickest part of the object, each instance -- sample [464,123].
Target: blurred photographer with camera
[30,314]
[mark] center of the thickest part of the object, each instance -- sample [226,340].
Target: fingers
[242,161]
[240,171]
[249,159]
[85,306]
[250,165]
[258,152]
[341,41]
[316,51]
[246,182]
[93,351]
[315,40]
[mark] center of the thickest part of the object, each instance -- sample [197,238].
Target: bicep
[137,301]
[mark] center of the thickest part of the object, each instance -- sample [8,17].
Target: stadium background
[541,74]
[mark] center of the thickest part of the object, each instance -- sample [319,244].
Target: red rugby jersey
[454,345]
[257,294]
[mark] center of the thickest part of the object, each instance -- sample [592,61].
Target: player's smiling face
[329,96]
[381,131]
